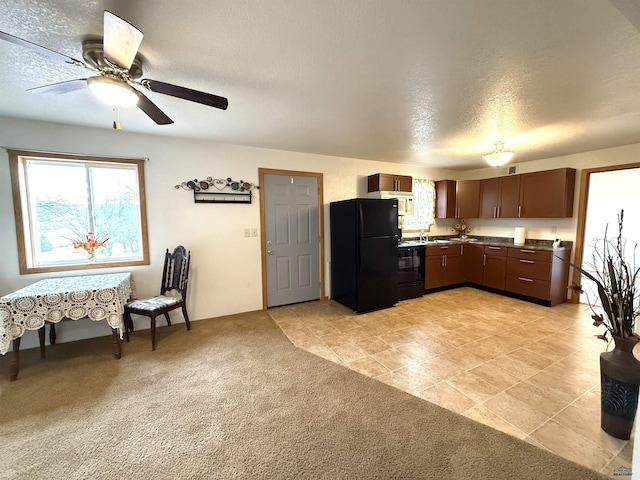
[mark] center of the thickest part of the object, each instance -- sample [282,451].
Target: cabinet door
[489,197]
[547,194]
[473,259]
[386,182]
[453,271]
[446,199]
[495,271]
[381,182]
[433,272]
[509,197]
[404,183]
[467,198]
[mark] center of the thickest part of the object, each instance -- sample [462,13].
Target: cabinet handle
[519,211]
[444,257]
[525,279]
[444,248]
[484,260]
[498,210]
[462,249]
[528,251]
[494,248]
[494,212]
[527,261]
[442,261]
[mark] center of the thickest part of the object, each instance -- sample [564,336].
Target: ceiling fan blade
[60,88]
[38,48]
[152,111]
[186,93]
[121,40]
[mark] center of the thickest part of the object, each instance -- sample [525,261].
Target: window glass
[67,202]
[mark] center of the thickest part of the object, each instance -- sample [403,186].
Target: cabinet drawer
[523,267]
[443,250]
[529,286]
[527,253]
[495,251]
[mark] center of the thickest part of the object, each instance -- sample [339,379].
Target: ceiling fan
[117,68]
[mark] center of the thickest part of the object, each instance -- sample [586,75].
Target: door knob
[269,252]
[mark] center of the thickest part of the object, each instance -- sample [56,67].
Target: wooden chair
[174,278]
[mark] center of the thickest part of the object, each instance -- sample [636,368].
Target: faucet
[422,237]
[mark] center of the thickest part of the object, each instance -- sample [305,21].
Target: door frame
[263,249]
[585,178]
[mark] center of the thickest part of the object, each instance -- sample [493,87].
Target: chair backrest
[176,271]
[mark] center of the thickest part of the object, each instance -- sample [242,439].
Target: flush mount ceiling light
[499,157]
[113,91]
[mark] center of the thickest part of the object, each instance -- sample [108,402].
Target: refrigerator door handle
[361,220]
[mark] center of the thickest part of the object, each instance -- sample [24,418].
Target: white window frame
[17,165]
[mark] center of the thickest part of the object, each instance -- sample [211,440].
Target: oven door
[411,272]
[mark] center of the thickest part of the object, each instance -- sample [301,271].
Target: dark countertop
[532,244]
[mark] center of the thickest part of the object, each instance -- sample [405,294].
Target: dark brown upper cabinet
[389,182]
[547,194]
[468,198]
[457,199]
[446,199]
[500,197]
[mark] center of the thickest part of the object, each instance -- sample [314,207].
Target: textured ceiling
[430,82]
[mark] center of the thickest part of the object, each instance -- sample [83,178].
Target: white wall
[226,269]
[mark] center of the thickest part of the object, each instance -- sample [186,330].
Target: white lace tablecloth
[98,297]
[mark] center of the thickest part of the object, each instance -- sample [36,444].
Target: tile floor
[527,370]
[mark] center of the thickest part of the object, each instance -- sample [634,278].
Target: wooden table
[98,297]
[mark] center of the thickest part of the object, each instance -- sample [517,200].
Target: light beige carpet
[234,399]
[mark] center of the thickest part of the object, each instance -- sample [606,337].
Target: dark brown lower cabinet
[433,272]
[538,274]
[452,271]
[473,263]
[443,266]
[495,267]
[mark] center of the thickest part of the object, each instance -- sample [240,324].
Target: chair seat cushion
[153,303]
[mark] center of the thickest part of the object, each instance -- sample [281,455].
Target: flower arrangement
[617,281]
[90,244]
[461,229]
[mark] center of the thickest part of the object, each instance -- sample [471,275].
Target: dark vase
[620,378]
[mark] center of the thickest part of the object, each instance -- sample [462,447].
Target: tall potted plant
[616,279]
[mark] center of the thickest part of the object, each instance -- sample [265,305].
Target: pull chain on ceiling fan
[117,66]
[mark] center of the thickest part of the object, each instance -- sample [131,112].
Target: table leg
[116,343]
[41,337]
[14,366]
[52,333]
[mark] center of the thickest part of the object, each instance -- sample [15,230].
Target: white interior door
[292,238]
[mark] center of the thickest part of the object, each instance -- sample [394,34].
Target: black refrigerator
[364,253]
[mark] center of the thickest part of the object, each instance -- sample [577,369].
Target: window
[62,198]
[424,206]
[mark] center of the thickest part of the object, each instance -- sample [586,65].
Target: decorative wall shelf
[221,197]
[218,190]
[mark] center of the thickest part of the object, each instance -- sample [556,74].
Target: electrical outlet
[254,232]
[247,232]
[554,229]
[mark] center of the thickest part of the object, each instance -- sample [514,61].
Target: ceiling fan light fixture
[498,157]
[113,92]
